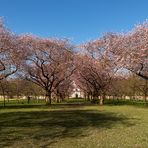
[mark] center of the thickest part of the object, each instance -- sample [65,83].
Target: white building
[76,93]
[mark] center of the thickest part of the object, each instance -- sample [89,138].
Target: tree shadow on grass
[54,125]
[57,106]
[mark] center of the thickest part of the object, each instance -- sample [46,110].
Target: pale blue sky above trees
[78,20]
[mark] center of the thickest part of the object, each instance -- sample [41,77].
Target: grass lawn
[74,126]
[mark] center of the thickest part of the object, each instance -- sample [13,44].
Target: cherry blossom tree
[48,62]
[9,53]
[94,75]
[130,50]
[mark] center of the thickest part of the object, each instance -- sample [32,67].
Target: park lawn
[74,126]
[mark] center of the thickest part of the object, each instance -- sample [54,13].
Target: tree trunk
[145,98]
[88,97]
[18,99]
[3,92]
[4,100]
[48,98]
[58,99]
[145,91]
[102,98]
[37,99]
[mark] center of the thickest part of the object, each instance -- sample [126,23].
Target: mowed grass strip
[74,126]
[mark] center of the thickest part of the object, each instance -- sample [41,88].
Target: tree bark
[48,98]
[102,98]
[145,91]
[58,99]
[3,92]
[4,100]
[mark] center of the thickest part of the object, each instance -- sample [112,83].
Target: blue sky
[78,20]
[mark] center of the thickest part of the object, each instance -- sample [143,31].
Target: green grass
[72,125]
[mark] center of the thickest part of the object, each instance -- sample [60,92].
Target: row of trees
[17,88]
[121,87]
[104,59]
[53,64]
